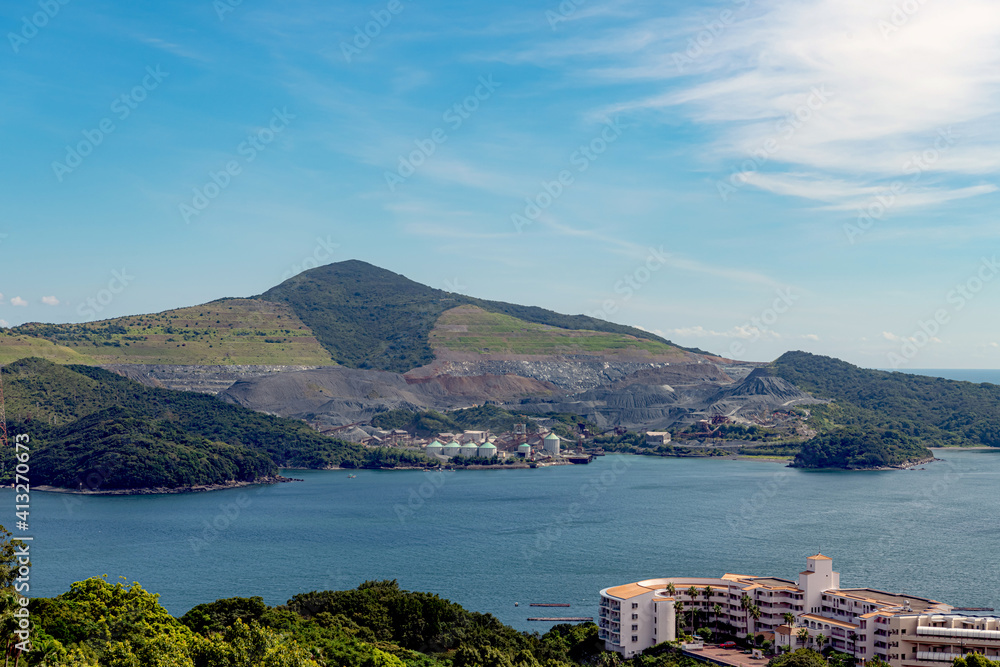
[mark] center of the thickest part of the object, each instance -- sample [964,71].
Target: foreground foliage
[98,623]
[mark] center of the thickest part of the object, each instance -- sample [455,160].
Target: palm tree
[789,618]
[707,592]
[803,636]
[755,613]
[671,589]
[820,640]
[679,609]
[716,610]
[745,606]
[692,593]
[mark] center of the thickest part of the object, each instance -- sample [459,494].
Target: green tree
[755,613]
[692,593]
[716,610]
[820,641]
[789,619]
[803,635]
[802,657]
[679,611]
[745,605]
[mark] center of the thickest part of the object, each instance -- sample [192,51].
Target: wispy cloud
[838,87]
[18,301]
[50,301]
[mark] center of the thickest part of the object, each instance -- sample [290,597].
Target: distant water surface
[990,375]
[490,539]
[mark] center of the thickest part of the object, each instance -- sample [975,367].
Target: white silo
[434,448]
[487,451]
[469,450]
[551,443]
[451,449]
[524,450]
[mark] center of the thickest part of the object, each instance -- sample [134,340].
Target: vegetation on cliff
[90,427]
[368,317]
[887,416]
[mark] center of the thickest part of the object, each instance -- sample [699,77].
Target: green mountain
[89,424]
[367,317]
[904,413]
[350,313]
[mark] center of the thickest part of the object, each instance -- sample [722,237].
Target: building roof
[453,444]
[824,619]
[775,582]
[783,630]
[628,591]
[888,599]
[488,446]
[434,443]
[819,557]
[552,436]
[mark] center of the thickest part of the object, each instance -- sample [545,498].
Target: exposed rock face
[609,392]
[345,396]
[760,390]
[571,373]
[204,379]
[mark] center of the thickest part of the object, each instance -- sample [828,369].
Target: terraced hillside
[349,313]
[472,329]
[224,332]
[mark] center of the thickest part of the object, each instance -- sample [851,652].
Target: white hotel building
[905,631]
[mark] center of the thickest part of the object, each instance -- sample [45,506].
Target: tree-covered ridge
[368,317]
[87,423]
[97,623]
[934,410]
[856,449]
[117,449]
[879,418]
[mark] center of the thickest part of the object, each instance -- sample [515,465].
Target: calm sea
[965,374]
[489,540]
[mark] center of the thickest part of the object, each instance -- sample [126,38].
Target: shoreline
[151,491]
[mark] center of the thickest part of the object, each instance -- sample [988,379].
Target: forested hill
[93,428]
[368,317]
[377,625]
[879,418]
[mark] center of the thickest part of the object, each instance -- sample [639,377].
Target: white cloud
[811,337]
[744,332]
[888,335]
[18,301]
[4,323]
[50,301]
[823,88]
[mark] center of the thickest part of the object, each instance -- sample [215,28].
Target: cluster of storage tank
[467,450]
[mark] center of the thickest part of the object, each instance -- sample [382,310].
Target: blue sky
[747,176]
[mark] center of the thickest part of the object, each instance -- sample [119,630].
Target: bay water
[491,539]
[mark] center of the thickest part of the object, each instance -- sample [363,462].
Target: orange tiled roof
[628,591]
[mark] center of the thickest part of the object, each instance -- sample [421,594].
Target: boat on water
[351,476]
